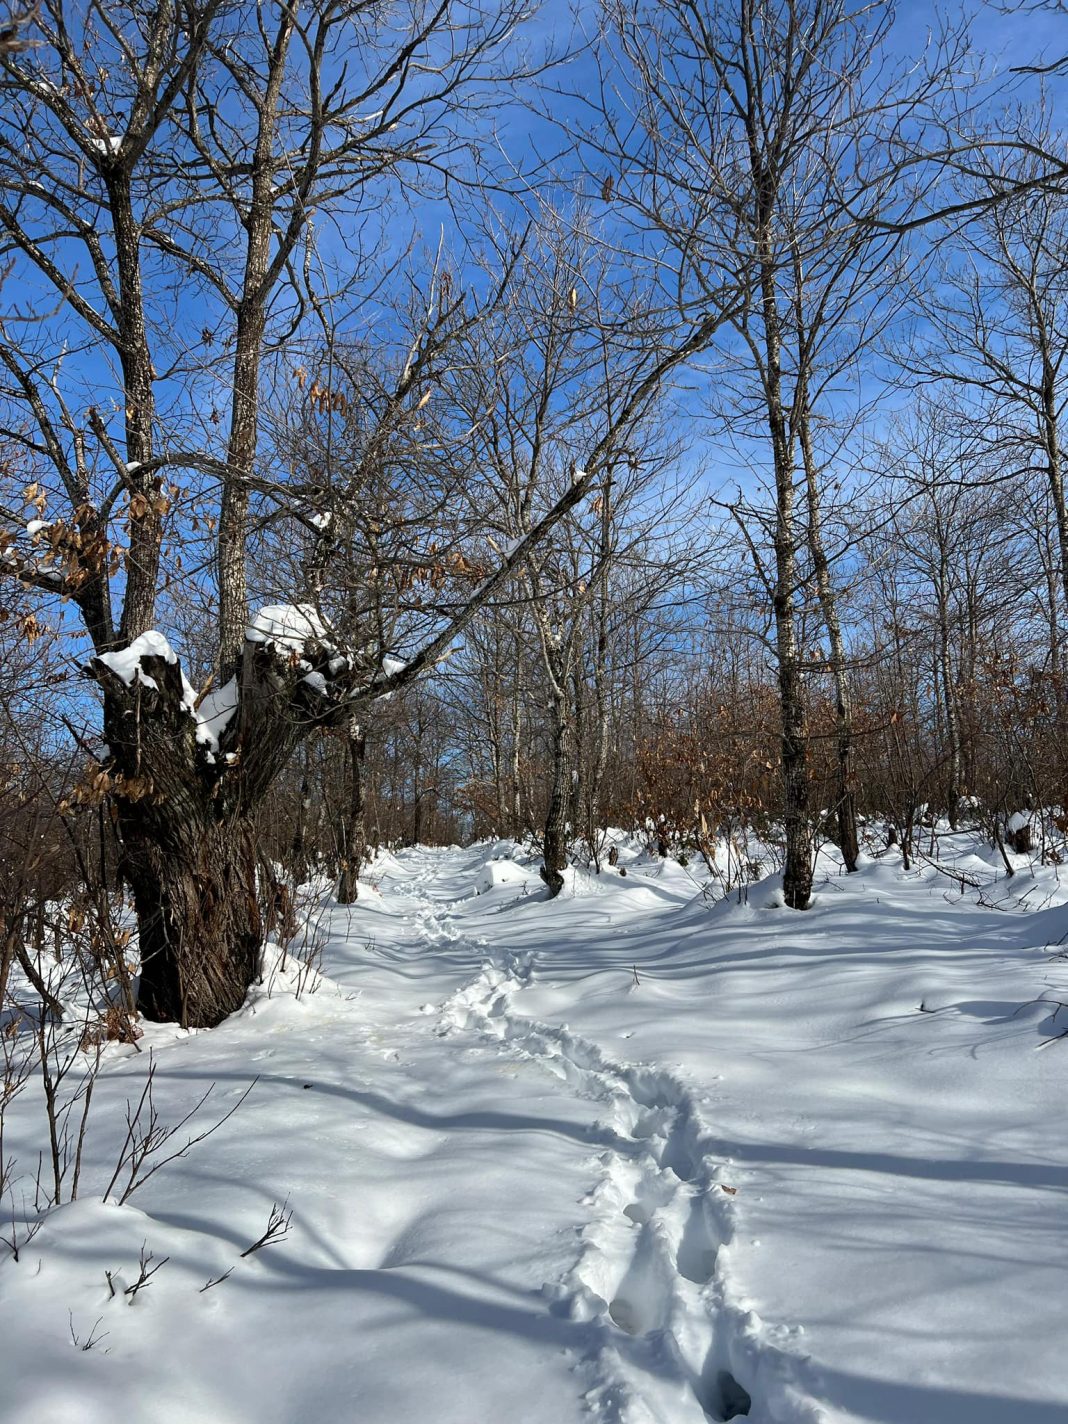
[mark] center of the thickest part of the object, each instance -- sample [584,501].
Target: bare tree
[998,314]
[764,138]
[539,385]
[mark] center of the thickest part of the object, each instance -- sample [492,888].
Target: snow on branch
[287,627]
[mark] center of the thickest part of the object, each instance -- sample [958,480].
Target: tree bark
[354,838]
[845,787]
[556,839]
[797,869]
[195,895]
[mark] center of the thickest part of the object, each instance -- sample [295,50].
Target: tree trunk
[517,733]
[556,839]
[198,918]
[766,177]
[949,699]
[355,834]
[797,870]
[186,819]
[261,270]
[574,812]
[188,853]
[298,850]
[142,559]
[845,787]
[1049,435]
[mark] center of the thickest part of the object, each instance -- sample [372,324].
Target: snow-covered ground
[620,1156]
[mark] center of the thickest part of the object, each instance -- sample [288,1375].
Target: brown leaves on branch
[709,764]
[99,782]
[321,397]
[142,504]
[28,625]
[455,566]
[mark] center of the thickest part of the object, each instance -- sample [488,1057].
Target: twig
[146,1272]
[277,1227]
[142,1141]
[94,1338]
[215,1281]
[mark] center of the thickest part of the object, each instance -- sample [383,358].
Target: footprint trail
[677,1343]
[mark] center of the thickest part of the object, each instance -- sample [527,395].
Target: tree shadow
[898,1402]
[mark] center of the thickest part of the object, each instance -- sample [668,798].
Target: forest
[627,437]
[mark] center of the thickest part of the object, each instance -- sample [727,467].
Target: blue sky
[1017,38]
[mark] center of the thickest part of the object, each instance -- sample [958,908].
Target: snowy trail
[653,1265]
[616,1157]
[897,1218]
[434,1201]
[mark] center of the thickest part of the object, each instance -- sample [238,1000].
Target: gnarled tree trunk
[198,918]
[188,856]
[186,811]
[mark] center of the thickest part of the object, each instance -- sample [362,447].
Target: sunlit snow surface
[617,1156]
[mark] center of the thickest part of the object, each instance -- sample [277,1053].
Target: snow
[216,709]
[392,666]
[286,627]
[125,663]
[496,873]
[35,526]
[215,713]
[621,1157]
[317,682]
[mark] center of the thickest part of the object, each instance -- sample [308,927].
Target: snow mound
[125,663]
[500,874]
[286,626]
